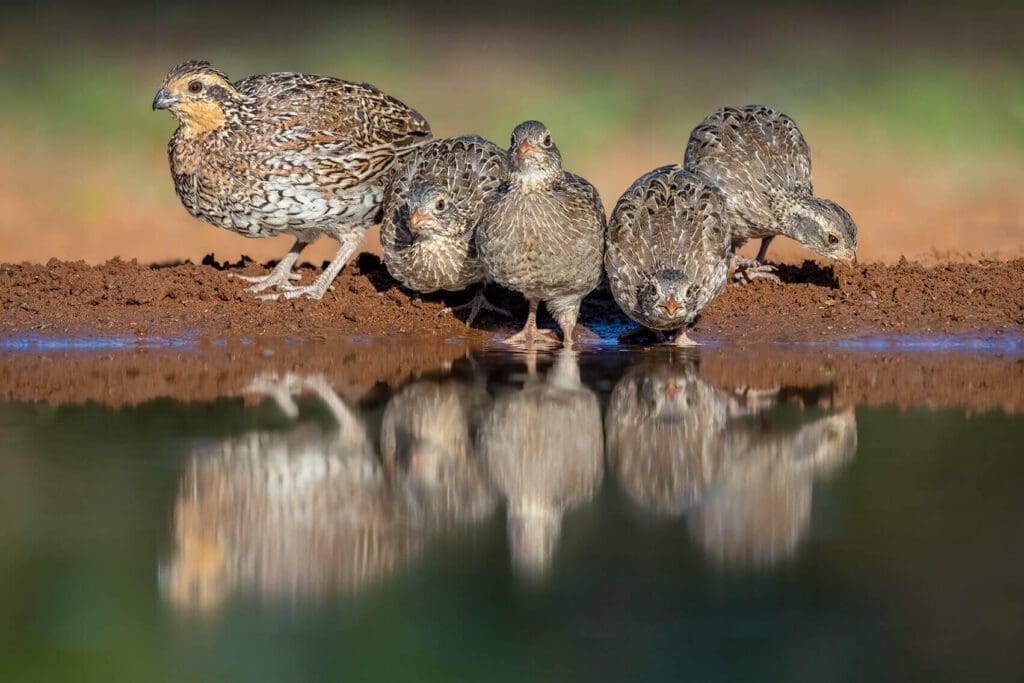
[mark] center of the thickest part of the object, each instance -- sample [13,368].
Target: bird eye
[832,239]
[195,87]
[547,140]
[440,205]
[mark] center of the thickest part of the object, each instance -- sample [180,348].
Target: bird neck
[534,178]
[797,213]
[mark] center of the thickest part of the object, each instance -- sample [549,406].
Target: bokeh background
[914,112]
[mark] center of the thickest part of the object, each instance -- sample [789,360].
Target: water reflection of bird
[760,506]
[542,447]
[678,445]
[664,428]
[427,442]
[285,153]
[759,160]
[287,514]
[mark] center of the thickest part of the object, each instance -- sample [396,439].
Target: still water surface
[600,516]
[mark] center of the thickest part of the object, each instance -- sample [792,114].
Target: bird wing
[334,108]
[750,148]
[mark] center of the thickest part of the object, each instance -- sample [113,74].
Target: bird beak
[416,218]
[850,261]
[671,305]
[526,148]
[671,389]
[163,100]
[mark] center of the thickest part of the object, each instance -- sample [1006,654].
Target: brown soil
[128,377]
[836,378]
[815,303]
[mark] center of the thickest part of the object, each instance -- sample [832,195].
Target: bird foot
[748,270]
[535,338]
[680,339]
[314,291]
[262,282]
[479,303]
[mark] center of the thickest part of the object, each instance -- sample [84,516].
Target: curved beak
[163,100]
[850,261]
[416,219]
[671,305]
[526,148]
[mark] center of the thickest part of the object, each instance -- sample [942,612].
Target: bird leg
[682,340]
[566,310]
[281,274]
[529,335]
[319,287]
[478,303]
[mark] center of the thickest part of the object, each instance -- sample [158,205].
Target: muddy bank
[364,370]
[814,303]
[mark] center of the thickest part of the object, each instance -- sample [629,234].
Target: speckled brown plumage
[441,188]
[285,153]
[542,232]
[667,251]
[760,161]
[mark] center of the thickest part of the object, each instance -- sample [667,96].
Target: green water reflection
[607,518]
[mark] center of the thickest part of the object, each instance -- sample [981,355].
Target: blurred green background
[914,112]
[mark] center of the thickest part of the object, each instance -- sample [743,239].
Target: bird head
[199,96]
[669,298]
[533,153]
[826,227]
[433,213]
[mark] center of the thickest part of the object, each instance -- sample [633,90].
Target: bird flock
[306,156]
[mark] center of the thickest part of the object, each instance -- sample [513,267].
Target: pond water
[725,514]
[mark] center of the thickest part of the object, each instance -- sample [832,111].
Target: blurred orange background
[915,117]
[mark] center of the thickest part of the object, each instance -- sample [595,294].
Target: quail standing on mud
[759,160]
[542,233]
[431,211]
[667,251]
[285,153]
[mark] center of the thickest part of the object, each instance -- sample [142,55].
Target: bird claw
[681,340]
[478,303]
[313,291]
[545,339]
[748,270]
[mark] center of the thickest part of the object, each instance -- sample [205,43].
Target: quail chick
[542,447]
[542,233]
[285,153]
[759,160]
[431,210]
[427,442]
[667,251]
[285,514]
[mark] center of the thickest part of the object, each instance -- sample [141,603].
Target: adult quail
[759,160]
[431,210]
[542,448]
[542,233]
[285,153]
[667,251]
